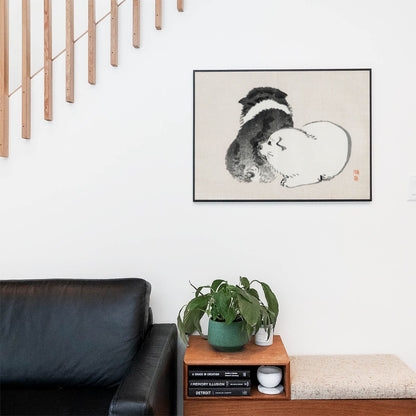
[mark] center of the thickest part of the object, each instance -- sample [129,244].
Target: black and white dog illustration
[265,110]
[317,152]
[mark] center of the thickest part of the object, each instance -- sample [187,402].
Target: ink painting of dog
[265,111]
[317,152]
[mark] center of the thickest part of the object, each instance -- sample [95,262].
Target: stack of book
[218,382]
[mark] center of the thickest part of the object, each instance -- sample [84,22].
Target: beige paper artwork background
[342,97]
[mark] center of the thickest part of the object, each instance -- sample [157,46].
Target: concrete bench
[352,385]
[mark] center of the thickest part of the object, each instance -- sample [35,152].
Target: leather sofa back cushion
[70,331]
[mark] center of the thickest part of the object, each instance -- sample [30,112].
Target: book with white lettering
[218,391]
[219,382]
[204,373]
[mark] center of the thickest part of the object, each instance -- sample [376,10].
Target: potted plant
[234,312]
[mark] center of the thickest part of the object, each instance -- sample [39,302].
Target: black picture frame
[199,196]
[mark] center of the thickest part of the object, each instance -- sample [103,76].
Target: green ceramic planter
[227,338]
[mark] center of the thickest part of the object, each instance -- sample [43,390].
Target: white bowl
[269,375]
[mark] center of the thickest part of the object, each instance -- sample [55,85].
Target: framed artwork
[282,135]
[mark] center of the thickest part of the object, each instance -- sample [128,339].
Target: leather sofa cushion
[70,331]
[52,401]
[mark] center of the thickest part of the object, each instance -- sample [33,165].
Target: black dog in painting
[265,110]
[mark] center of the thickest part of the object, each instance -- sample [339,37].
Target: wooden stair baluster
[114,33]
[136,23]
[69,55]
[158,14]
[4,79]
[47,57]
[92,37]
[26,80]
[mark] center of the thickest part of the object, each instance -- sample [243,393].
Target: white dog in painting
[317,152]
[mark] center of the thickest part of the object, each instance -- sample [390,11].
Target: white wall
[106,188]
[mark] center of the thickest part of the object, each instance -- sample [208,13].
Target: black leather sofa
[84,347]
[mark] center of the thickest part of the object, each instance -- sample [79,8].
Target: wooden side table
[200,354]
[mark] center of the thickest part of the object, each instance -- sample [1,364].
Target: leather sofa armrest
[149,387]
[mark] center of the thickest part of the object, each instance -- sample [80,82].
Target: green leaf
[224,307]
[253,292]
[199,302]
[250,310]
[258,326]
[196,316]
[231,316]
[191,321]
[265,317]
[198,289]
[247,296]
[241,292]
[249,330]
[216,284]
[181,327]
[271,299]
[222,302]
[244,282]
[193,314]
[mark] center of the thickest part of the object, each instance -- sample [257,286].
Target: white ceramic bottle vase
[261,338]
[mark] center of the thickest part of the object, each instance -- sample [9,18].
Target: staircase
[48,57]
